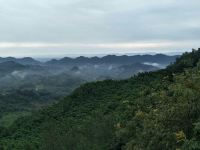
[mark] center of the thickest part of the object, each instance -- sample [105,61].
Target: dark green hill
[151,111]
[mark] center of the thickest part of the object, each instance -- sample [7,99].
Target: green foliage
[151,111]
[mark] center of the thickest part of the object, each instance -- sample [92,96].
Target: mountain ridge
[126,59]
[115,59]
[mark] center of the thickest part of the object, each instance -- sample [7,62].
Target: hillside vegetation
[150,111]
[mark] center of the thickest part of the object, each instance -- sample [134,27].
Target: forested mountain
[151,111]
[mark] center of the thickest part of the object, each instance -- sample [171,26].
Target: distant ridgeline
[89,69]
[151,111]
[113,59]
[158,58]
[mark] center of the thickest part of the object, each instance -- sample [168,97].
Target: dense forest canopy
[149,111]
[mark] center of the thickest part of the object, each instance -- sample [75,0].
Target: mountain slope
[153,111]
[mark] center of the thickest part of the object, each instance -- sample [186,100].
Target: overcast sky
[62,27]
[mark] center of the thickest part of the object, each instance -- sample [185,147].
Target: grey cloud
[94,21]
